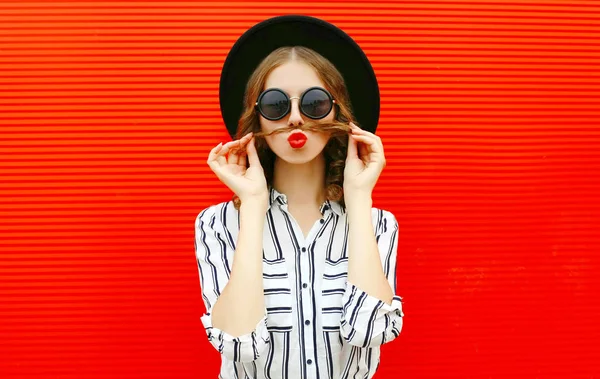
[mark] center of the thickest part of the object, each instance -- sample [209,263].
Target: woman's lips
[297,140]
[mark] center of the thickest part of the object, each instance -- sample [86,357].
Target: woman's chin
[298,156]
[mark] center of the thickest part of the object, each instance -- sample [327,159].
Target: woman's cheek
[275,142]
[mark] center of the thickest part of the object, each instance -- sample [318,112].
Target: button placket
[307,306]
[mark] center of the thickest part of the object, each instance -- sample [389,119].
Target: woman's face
[294,78]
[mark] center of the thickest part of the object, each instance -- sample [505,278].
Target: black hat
[295,30]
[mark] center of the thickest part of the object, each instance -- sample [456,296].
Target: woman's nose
[295,115]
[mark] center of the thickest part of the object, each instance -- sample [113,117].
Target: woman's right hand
[247,183]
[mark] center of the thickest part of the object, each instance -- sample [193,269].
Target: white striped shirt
[316,323]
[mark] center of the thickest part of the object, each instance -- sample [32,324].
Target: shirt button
[321,221]
[306,322]
[304,285]
[309,361]
[303,249]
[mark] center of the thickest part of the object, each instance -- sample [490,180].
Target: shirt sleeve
[368,321]
[214,254]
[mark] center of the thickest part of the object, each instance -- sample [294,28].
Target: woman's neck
[302,184]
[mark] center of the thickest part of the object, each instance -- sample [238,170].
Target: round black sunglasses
[274,104]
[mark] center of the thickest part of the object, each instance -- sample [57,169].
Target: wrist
[356,202]
[256,204]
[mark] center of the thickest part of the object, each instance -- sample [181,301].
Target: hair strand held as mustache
[334,129]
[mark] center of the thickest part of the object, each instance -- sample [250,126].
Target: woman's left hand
[364,163]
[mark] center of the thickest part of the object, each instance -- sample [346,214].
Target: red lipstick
[297,140]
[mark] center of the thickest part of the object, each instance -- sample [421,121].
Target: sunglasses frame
[289,99]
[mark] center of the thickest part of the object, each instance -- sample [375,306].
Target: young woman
[298,270]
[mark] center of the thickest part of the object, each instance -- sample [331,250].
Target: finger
[243,154]
[222,154]
[364,138]
[245,138]
[363,151]
[213,162]
[234,152]
[352,147]
[252,153]
[212,155]
[359,131]
[371,150]
[234,156]
[372,143]
[244,141]
[369,146]
[242,160]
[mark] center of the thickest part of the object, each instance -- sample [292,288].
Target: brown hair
[336,149]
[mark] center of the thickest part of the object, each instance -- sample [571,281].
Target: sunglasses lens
[316,103]
[273,104]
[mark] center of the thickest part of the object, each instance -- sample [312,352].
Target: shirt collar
[278,198]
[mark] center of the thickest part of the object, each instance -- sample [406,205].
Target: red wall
[491,124]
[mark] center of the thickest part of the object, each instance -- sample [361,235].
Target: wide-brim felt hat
[298,30]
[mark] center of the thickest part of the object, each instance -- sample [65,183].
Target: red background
[491,123]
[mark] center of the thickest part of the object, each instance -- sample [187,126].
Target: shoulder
[380,213]
[221,213]
[383,220]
